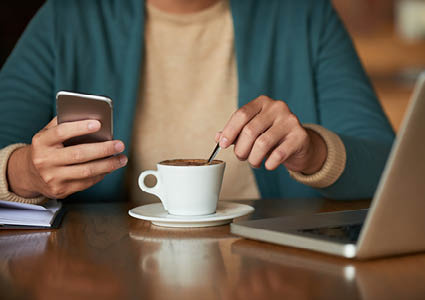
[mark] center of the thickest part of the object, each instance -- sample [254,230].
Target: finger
[86,152]
[67,130]
[282,152]
[237,121]
[245,141]
[94,168]
[265,143]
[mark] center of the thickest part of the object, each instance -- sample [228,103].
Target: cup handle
[156,189]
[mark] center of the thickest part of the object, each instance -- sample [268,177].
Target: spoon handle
[214,153]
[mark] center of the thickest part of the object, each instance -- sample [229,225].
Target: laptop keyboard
[346,233]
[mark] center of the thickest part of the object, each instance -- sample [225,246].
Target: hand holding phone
[49,168]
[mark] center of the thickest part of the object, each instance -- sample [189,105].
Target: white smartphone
[72,107]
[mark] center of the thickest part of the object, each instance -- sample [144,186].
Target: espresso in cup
[189,162]
[186,187]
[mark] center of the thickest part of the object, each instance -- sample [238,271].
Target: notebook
[29,216]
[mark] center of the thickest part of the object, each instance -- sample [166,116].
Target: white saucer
[226,212]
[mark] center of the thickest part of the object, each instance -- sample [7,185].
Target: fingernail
[224,143]
[119,147]
[123,160]
[93,125]
[217,136]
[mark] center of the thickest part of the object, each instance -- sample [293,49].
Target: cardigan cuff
[5,194]
[334,164]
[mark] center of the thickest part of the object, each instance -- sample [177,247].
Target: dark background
[14,17]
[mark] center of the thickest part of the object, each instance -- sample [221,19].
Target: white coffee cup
[187,190]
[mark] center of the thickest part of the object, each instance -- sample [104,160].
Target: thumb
[217,136]
[52,123]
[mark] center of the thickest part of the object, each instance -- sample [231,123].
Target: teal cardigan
[297,51]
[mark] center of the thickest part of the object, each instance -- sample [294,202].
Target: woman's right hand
[48,168]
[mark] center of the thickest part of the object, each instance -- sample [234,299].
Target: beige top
[187,93]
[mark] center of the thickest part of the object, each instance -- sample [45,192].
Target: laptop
[394,223]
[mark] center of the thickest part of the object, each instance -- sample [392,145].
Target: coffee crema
[189,162]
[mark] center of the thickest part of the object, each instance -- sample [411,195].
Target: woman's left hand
[266,128]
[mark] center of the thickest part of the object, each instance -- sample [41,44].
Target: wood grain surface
[100,252]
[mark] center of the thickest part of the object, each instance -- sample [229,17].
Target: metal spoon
[214,153]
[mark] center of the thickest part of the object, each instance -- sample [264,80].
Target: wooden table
[101,253]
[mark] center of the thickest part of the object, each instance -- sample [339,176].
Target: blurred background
[389,36]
